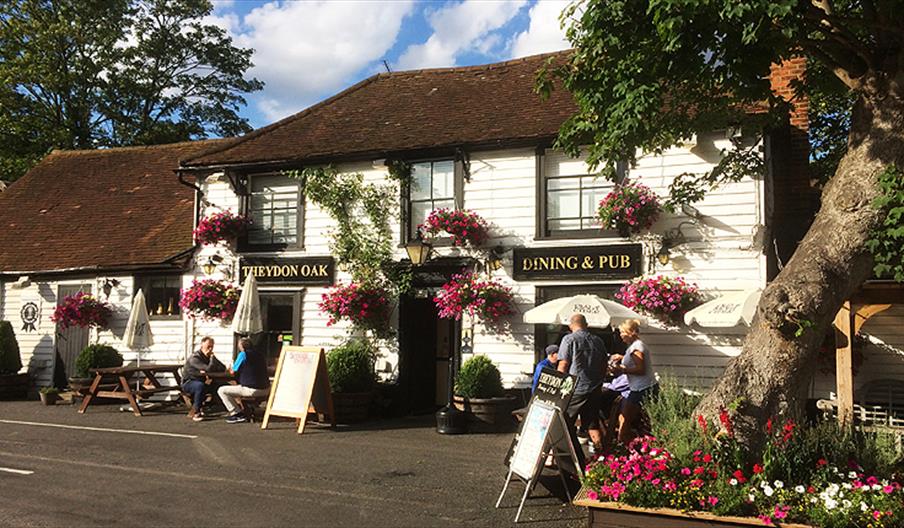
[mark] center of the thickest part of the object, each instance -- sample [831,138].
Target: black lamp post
[449,420]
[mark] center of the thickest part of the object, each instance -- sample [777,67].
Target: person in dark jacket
[194,375]
[250,370]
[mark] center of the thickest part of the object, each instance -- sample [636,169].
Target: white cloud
[544,33]
[459,28]
[305,49]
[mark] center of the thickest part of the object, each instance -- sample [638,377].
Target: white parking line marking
[17,471]
[101,429]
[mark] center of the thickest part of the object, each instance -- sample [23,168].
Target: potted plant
[93,356]
[663,297]
[351,370]
[465,228]
[366,306]
[49,395]
[210,300]
[82,309]
[219,227]
[479,392]
[12,383]
[629,209]
[489,300]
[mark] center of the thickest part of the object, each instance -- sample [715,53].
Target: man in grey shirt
[194,375]
[583,355]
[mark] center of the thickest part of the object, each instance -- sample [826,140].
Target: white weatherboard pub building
[478,138]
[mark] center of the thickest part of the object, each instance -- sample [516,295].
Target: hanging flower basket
[465,228]
[630,209]
[210,300]
[660,296]
[365,306]
[218,227]
[466,292]
[82,310]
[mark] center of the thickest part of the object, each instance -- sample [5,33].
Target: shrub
[351,366]
[479,378]
[96,356]
[10,362]
[50,391]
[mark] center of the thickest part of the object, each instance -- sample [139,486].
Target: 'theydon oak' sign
[616,261]
[308,270]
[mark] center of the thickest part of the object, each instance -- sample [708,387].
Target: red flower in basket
[629,209]
[661,296]
[82,309]
[487,299]
[464,227]
[365,306]
[222,226]
[210,300]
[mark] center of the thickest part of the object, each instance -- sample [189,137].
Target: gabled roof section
[99,209]
[409,111]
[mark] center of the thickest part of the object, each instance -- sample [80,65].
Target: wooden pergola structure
[874,296]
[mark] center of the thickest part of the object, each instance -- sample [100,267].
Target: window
[161,294]
[570,198]
[433,186]
[273,205]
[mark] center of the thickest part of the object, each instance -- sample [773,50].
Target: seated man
[551,361]
[194,375]
[250,369]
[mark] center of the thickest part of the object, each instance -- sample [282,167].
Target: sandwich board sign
[301,382]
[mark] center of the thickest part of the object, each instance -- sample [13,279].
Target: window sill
[594,233]
[176,317]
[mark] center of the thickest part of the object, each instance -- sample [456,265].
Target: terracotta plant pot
[352,407]
[618,515]
[49,399]
[13,386]
[488,415]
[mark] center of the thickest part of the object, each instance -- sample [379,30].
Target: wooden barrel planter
[352,407]
[488,415]
[13,386]
[618,515]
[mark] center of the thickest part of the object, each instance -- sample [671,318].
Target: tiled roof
[409,111]
[110,208]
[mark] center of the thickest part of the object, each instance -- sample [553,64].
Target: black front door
[280,315]
[425,345]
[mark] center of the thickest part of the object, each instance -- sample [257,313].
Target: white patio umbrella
[599,312]
[247,318]
[730,309]
[138,334]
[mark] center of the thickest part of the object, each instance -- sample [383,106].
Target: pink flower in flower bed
[487,299]
[210,299]
[660,296]
[83,310]
[365,306]
[219,227]
[464,227]
[630,209]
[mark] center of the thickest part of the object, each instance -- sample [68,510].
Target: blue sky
[306,51]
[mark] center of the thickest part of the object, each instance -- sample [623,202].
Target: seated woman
[250,369]
[637,363]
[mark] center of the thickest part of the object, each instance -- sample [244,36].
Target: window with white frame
[432,186]
[274,206]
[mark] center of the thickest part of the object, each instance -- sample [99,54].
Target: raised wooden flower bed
[618,515]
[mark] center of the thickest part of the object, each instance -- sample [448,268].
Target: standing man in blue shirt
[583,355]
[551,361]
[250,370]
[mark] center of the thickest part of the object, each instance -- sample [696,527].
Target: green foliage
[671,418]
[10,362]
[351,366]
[96,356]
[887,239]
[50,391]
[479,378]
[98,73]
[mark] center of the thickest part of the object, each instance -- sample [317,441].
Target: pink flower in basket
[660,296]
[210,300]
[365,306]
[464,227]
[630,209]
[466,292]
[82,309]
[219,227]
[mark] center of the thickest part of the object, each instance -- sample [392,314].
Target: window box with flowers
[82,309]
[365,306]
[467,292]
[629,209]
[225,226]
[663,297]
[465,228]
[210,300]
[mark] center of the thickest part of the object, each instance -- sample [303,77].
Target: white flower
[768,490]
[846,503]
[800,489]
[813,500]
[778,484]
[830,503]
[876,487]
[863,506]
[764,484]
[852,474]
[847,485]
[733,482]
[751,497]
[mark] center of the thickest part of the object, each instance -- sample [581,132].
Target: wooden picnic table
[123,389]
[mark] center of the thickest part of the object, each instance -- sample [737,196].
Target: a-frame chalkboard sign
[301,382]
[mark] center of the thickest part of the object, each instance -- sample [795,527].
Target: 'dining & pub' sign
[616,261]
[308,270]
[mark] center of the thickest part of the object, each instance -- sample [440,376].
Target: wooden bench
[880,407]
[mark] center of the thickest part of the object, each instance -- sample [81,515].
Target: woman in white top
[637,363]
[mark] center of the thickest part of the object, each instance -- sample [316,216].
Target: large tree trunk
[772,374]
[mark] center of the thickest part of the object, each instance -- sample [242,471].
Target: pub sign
[616,261]
[318,271]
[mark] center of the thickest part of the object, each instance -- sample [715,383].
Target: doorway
[70,341]
[426,345]
[281,318]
